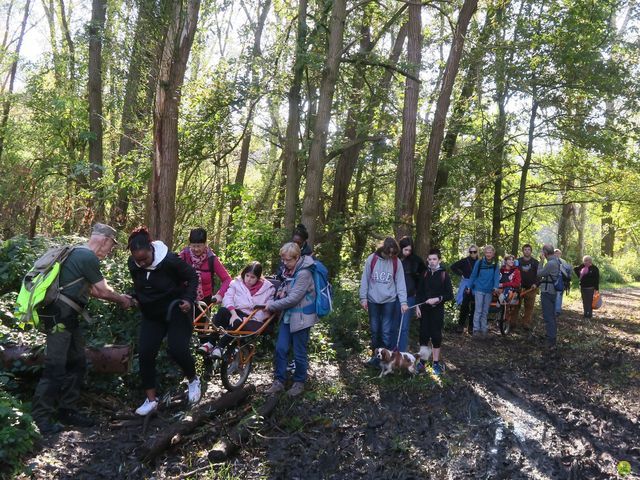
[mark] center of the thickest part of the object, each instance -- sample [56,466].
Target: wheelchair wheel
[504,325]
[236,366]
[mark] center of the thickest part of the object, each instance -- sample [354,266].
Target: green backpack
[41,286]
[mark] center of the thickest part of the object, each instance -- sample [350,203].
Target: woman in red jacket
[207,264]
[510,282]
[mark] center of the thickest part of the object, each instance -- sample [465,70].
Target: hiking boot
[194,390]
[438,369]
[276,387]
[296,389]
[147,407]
[206,348]
[49,428]
[68,417]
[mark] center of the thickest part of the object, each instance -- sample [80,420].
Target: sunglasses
[473,251]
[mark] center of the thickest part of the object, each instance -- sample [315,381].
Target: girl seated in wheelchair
[509,281]
[244,293]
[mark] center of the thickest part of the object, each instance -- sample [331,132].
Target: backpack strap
[374,260]
[77,308]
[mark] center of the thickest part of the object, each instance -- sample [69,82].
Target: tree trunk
[608,230]
[96,30]
[462,105]
[425,210]
[6,106]
[315,168]
[405,198]
[292,140]
[175,55]
[256,53]
[564,225]
[151,28]
[515,245]
[70,45]
[582,225]
[346,165]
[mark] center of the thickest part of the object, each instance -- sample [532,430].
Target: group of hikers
[396,282]
[396,285]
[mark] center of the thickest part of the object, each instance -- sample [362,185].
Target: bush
[17,434]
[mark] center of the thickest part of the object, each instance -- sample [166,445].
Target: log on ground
[198,416]
[241,433]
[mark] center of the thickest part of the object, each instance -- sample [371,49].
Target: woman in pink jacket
[244,293]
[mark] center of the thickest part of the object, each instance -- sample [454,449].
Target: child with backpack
[434,289]
[246,291]
[207,264]
[381,284]
[484,281]
[510,285]
[296,299]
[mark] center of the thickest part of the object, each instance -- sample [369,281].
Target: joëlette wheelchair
[237,356]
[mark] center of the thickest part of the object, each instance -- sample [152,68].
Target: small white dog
[394,360]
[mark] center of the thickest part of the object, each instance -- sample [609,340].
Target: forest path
[503,409]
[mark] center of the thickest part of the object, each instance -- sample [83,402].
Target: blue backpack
[324,290]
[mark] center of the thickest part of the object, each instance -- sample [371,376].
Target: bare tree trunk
[96,30]
[564,225]
[346,165]
[70,45]
[582,224]
[6,106]
[515,245]
[425,210]
[608,230]
[175,55]
[256,53]
[405,198]
[315,168]
[292,140]
[49,11]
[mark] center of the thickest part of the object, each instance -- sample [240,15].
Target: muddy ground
[503,409]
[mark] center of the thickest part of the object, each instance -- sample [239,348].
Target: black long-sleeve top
[464,266]
[591,279]
[413,267]
[172,279]
[434,284]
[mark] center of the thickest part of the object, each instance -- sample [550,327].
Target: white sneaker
[206,348]
[216,353]
[194,390]
[147,407]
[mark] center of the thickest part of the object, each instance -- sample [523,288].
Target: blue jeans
[483,302]
[381,320]
[559,302]
[548,301]
[405,318]
[300,339]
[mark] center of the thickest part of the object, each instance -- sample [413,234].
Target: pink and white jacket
[238,297]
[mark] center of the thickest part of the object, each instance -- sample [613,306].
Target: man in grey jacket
[547,273]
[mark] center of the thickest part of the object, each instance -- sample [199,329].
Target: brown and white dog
[394,360]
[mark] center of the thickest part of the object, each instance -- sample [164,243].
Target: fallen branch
[241,433]
[107,359]
[198,416]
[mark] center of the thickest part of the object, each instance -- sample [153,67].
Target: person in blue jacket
[484,280]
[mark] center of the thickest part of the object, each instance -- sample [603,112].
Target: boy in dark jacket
[434,289]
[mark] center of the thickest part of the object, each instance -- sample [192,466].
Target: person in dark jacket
[434,290]
[413,267]
[165,288]
[589,283]
[528,267]
[464,297]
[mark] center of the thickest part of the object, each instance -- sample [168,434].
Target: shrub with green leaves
[18,434]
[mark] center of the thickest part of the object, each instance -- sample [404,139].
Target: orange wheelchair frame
[237,357]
